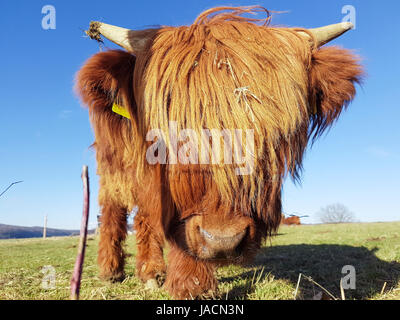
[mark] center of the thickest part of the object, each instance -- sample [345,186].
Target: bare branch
[9,187]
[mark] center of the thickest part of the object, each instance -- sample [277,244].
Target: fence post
[45,227]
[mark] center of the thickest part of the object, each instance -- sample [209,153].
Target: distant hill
[17,232]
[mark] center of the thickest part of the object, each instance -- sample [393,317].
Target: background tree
[336,213]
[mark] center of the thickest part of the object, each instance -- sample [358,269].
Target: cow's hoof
[114,277]
[152,284]
[157,282]
[160,278]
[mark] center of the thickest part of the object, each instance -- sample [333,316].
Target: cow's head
[226,71]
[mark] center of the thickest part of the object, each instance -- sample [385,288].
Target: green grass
[317,251]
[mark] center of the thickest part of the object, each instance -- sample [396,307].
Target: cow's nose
[221,244]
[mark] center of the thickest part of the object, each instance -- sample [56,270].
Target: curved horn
[133,41]
[325,34]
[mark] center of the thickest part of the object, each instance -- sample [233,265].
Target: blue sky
[45,133]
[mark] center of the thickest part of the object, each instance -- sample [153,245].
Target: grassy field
[317,251]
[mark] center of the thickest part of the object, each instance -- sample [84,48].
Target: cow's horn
[133,41]
[325,34]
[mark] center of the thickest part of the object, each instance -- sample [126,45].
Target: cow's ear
[107,78]
[332,77]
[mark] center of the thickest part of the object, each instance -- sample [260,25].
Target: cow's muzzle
[221,245]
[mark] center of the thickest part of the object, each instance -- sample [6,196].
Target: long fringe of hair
[226,72]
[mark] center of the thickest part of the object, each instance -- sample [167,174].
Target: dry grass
[317,251]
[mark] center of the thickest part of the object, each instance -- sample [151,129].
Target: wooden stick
[342,290]
[77,274]
[311,280]
[316,283]
[297,286]
[383,288]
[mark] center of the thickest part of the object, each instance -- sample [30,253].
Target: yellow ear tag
[120,110]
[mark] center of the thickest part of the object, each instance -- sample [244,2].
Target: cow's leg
[150,265]
[188,277]
[113,229]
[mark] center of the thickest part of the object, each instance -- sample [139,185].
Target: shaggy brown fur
[223,72]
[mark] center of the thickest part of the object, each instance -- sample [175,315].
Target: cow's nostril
[206,234]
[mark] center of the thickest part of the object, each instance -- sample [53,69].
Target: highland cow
[292,220]
[226,71]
